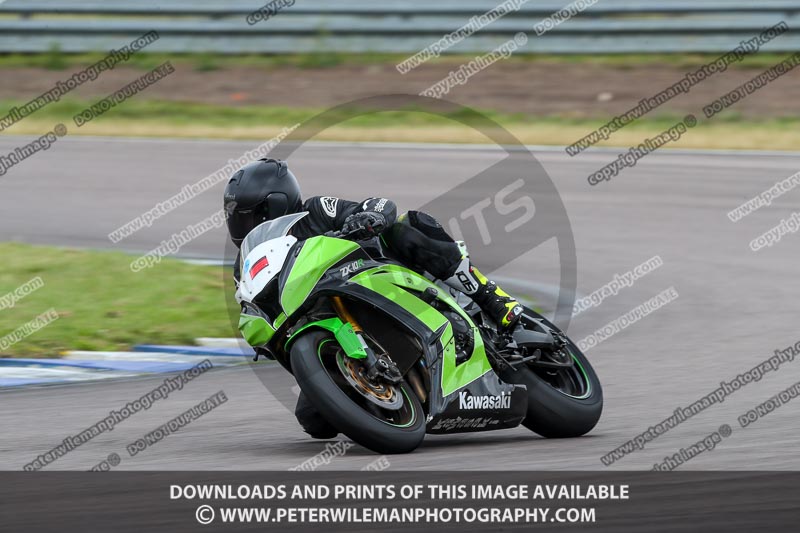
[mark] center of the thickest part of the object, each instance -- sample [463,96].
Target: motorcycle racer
[266,189]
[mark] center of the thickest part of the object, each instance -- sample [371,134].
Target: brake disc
[383,395]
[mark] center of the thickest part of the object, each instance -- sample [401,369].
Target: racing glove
[364,225]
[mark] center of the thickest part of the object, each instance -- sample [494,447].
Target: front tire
[314,358]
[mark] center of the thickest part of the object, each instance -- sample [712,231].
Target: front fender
[343,333]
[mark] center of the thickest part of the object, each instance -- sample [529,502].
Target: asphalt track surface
[735,306]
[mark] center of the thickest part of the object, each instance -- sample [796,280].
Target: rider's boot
[501,307]
[311,420]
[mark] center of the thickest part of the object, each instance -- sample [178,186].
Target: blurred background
[235,79]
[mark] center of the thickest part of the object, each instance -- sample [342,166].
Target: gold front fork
[344,314]
[374,366]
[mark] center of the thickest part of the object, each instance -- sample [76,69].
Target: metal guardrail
[609,26]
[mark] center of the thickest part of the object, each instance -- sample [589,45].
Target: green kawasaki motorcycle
[387,355]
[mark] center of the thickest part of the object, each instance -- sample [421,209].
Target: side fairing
[314,257]
[393,282]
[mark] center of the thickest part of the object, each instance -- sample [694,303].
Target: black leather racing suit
[415,238]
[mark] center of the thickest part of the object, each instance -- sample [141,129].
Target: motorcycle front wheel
[385,418]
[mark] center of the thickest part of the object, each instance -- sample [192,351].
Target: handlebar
[355,229]
[341,235]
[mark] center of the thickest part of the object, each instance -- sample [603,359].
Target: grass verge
[55,59]
[191,120]
[102,305]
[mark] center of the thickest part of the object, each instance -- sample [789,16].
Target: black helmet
[262,190]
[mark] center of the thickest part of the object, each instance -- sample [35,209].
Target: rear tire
[341,411]
[553,413]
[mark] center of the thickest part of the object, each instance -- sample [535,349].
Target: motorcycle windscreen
[271,229]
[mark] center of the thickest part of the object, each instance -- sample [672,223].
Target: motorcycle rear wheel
[564,403]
